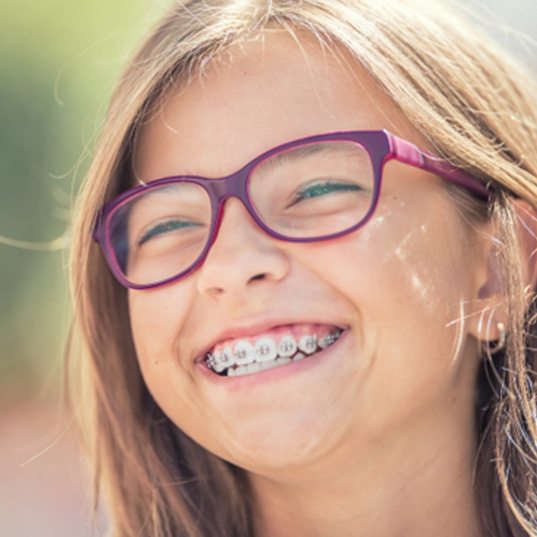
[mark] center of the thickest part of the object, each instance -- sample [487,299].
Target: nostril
[260,276]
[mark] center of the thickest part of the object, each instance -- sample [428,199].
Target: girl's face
[399,287]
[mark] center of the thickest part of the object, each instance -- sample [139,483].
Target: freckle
[156,362]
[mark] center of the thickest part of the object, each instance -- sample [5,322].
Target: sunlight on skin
[395,395]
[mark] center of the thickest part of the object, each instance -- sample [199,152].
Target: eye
[319,189]
[165,227]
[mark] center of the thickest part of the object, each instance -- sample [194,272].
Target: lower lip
[275,374]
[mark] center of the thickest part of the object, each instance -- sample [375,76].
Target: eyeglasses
[312,189]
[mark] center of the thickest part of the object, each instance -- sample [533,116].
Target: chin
[278,445]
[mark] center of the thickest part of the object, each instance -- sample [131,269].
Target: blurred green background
[58,62]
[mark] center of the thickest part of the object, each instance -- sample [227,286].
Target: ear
[488,308]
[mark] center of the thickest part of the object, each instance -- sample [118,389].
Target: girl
[303,278]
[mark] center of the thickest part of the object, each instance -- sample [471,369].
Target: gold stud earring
[500,343]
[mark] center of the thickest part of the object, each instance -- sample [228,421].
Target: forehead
[259,94]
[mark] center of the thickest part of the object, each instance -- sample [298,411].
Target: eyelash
[325,188]
[163,227]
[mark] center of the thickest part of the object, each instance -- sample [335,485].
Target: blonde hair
[476,108]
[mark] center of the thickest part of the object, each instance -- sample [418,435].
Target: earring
[500,344]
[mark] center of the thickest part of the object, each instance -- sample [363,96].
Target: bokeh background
[58,62]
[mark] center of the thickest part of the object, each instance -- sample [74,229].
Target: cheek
[410,271]
[157,318]
[159,322]
[407,283]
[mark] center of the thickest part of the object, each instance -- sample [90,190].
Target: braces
[263,350]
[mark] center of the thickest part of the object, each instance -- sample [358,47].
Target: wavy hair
[476,108]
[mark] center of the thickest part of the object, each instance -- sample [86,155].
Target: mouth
[276,347]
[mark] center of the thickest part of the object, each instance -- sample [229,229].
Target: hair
[476,108]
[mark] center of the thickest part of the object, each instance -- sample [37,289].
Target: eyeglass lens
[308,191]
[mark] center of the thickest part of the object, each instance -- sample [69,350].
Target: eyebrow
[307,150]
[271,162]
[185,192]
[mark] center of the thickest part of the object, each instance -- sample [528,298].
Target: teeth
[308,344]
[328,340]
[266,350]
[220,360]
[216,363]
[287,346]
[238,371]
[270,365]
[266,353]
[244,353]
[253,368]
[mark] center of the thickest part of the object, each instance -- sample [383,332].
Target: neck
[417,481]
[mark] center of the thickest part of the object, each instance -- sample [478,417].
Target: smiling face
[395,288]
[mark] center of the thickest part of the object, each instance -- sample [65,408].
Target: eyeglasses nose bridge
[231,186]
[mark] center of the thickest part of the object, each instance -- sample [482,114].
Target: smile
[276,348]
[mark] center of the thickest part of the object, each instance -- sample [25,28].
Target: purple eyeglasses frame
[381,145]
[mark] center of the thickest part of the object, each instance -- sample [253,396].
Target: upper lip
[252,329]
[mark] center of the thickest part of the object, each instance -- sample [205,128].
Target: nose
[242,257]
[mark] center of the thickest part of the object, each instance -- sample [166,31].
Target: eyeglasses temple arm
[96,227]
[409,153]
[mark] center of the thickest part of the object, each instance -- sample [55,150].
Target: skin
[377,439]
